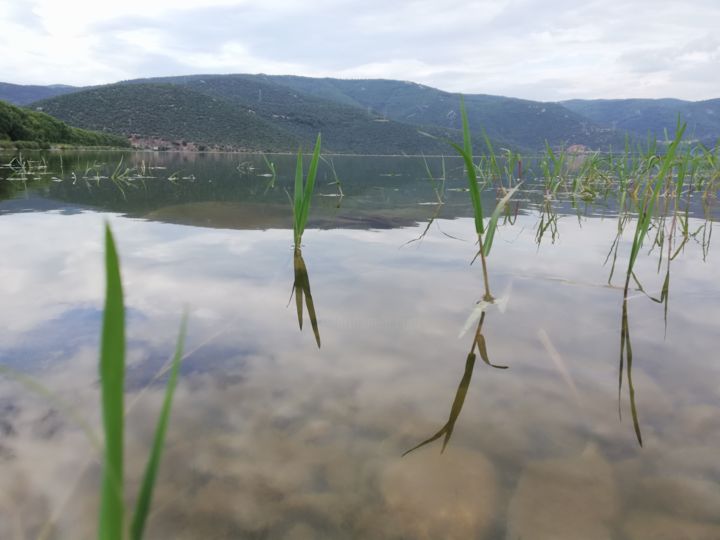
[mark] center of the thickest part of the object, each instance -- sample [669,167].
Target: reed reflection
[301,291]
[479,344]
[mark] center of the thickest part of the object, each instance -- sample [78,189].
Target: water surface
[273,436]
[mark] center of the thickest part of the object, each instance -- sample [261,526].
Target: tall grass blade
[648,206]
[298,197]
[303,193]
[142,506]
[112,379]
[466,153]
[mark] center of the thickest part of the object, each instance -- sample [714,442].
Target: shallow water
[273,437]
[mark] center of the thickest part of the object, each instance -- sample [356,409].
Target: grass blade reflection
[457,406]
[301,290]
[461,393]
[626,355]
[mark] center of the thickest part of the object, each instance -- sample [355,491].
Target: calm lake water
[272,436]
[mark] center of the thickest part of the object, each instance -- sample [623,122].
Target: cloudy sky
[545,50]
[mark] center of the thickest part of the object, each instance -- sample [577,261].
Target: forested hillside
[19,126]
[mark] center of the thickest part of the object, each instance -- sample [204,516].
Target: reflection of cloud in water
[270,436]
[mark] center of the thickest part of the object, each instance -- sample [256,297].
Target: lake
[398,405]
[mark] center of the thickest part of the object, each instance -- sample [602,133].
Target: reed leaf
[466,153]
[298,197]
[648,206]
[303,193]
[112,378]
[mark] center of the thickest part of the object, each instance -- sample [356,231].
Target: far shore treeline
[21,128]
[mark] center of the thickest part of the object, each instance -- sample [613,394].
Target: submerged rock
[432,495]
[688,498]
[564,499]
[657,526]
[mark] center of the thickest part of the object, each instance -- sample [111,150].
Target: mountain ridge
[383,115]
[641,116]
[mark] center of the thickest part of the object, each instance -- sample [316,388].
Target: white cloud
[524,48]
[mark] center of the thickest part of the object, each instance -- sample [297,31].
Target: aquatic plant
[112,389]
[651,194]
[485,234]
[303,192]
[438,184]
[336,179]
[272,174]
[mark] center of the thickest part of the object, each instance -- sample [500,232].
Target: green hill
[22,126]
[653,116]
[168,112]
[360,116]
[345,128]
[515,122]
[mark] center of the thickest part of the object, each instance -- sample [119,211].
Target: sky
[543,50]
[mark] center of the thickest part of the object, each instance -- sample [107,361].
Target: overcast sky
[546,50]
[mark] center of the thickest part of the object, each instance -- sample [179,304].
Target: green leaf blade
[298,197]
[310,185]
[112,383]
[473,187]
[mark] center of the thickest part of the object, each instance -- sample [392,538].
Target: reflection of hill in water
[236,191]
[249,215]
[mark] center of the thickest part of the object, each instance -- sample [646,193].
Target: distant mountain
[513,122]
[653,116]
[345,128]
[357,116]
[22,126]
[238,111]
[20,94]
[169,112]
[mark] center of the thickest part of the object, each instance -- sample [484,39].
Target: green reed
[438,184]
[651,194]
[336,179]
[303,192]
[271,167]
[485,234]
[112,389]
